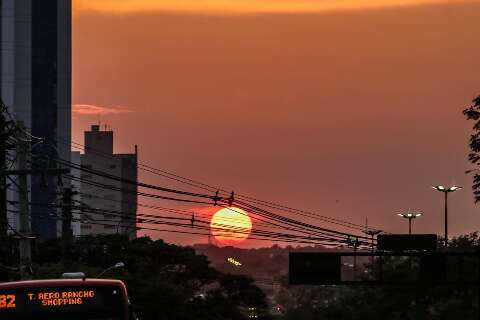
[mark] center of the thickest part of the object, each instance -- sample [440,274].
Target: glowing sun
[230,226]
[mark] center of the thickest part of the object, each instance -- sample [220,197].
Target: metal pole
[118,226]
[67,234]
[3,181]
[4,244]
[410,226]
[355,260]
[24,218]
[104,271]
[478,283]
[446,218]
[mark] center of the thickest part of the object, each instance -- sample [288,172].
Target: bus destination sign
[61,299]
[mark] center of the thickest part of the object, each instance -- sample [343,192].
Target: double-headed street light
[446,191]
[410,216]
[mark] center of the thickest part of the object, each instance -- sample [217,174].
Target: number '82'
[7,301]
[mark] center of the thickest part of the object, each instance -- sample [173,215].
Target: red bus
[65,299]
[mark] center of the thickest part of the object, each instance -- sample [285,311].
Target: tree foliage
[165,281]
[400,302]
[473,113]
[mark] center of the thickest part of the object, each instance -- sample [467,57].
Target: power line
[210,188]
[259,211]
[144,194]
[177,211]
[289,223]
[263,238]
[224,230]
[305,227]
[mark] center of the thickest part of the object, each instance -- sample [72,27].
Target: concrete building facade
[116,201]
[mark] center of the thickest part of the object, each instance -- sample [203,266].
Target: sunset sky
[242,6]
[347,108]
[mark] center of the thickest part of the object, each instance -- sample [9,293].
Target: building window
[86,226]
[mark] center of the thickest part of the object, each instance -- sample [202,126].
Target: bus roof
[61,283]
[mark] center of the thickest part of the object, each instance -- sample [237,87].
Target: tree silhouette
[473,113]
[164,281]
[420,301]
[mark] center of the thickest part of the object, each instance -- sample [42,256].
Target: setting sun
[230,226]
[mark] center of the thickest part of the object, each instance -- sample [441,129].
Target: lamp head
[454,188]
[409,215]
[445,189]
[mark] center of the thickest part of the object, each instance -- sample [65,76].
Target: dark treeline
[164,281]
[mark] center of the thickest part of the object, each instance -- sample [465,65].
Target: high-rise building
[110,206]
[35,83]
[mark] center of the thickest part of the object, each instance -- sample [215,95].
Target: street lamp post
[116,266]
[410,216]
[446,191]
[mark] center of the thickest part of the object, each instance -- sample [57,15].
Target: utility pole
[67,233]
[3,181]
[24,229]
[372,233]
[4,244]
[24,209]
[17,130]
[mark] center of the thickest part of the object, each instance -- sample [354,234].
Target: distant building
[118,200]
[35,83]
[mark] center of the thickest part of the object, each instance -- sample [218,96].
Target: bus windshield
[58,300]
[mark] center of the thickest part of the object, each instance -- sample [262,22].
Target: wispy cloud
[244,6]
[89,109]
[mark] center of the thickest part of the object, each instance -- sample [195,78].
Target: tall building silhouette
[35,83]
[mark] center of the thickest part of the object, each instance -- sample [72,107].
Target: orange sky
[349,113]
[244,6]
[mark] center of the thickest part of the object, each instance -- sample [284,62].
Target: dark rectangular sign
[314,268]
[402,242]
[25,303]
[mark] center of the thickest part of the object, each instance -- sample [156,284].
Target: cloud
[89,109]
[243,6]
